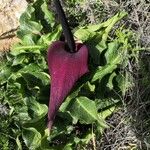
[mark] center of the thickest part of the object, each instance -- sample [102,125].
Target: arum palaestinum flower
[65,69]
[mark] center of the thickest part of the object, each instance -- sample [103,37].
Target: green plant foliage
[25,82]
[84,110]
[31,137]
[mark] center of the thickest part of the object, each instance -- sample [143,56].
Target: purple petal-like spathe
[65,69]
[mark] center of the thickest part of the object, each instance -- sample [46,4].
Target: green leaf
[113,53]
[85,110]
[102,71]
[36,78]
[68,146]
[48,15]
[4,74]
[102,104]
[124,82]
[96,41]
[84,34]
[90,86]
[35,109]
[87,137]
[106,113]
[31,137]
[19,60]
[113,57]
[110,81]
[114,20]
[44,141]
[14,94]
[2,95]
[109,23]
[22,115]
[69,98]
[34,75]
[18,143]
[19,49]
[28,40]
[27,15]
[95,47]
[47,39]
[30,68]
[30,27]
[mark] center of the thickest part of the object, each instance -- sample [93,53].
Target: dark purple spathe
[65,69]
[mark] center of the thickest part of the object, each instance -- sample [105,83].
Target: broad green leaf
[96,46]
[90,86]
[36,78]
[41,62]
[68,146]
[106,113]
[101,46]
[27,15]
[102,71]
[29,32]
[62,125]
[29,27]
[4,74]
[35,109]
[69,98]
[65,104]
[13,77]
[113,58]
[28,40]
[115,19]
[87,137]
[102,104]
[30,68]
[14,94]
[107,23]
[32,138]
[19,60]
[22,115]
[2,94]
[48,15]
[44,141]
[47,39]
[18,143]
[110,81]
[112,52]
[19,49]
[84,34]
[85,110]
[124,82]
